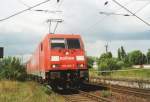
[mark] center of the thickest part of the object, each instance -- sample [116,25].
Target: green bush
[106,93]
[90,61]
[121,64]
[136,57]
[109,64]
[12,69]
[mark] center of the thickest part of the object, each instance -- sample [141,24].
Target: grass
[136,74]
[105,93]
[14,91]
[130,73]
[93,72]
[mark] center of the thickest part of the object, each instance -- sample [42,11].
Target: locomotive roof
[63,35]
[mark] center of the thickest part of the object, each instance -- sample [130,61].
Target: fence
[137,78]
[134,74]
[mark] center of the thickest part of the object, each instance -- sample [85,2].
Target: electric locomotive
[60,60]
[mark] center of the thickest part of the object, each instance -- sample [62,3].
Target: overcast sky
[22,33]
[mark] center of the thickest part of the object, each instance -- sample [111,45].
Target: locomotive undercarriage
[67,79]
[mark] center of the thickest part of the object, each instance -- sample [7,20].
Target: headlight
[54,58]
[80,65]
[80,58]
[53,66]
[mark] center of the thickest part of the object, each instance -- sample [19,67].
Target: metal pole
[49,27]
[53,20]
[106,47]
[55,27]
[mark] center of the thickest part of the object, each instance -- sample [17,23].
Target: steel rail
[87,95]
[125,90]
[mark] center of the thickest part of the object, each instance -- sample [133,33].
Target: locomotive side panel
[44,57]
[36,64]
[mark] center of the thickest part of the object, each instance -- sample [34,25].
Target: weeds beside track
[83,96]
[115,89]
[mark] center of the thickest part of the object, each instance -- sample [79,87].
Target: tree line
[11,67]
[107,61]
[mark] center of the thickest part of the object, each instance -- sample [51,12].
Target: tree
[144,59]
[136,57]
[148,56]
[123,58]
[123,53]
[90,61]
[119,54]
[12,69]
[109,64]
[106,55]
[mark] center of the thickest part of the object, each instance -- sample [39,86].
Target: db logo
[67,58]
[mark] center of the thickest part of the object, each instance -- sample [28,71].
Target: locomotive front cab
[67,60]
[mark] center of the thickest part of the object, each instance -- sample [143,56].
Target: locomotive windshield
[57,43]
[73,43]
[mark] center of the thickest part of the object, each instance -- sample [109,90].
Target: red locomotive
[60,59]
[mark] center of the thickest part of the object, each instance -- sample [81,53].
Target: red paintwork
[41,60]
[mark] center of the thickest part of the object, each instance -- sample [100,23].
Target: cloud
[19,42]
[95,48]
[98,47]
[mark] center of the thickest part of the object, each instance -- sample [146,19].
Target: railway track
[126,90]
[90,92]
[131,91]
[83,96]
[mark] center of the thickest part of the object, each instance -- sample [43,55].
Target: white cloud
[95,48]
[98,47]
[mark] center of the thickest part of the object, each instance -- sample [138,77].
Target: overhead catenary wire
[20,1]
[113,13]
[127,3]
[59,20]
[92,26]
[61,3]
[20,12]
[144,6]
[46,10]
[131,12]
[39,10]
